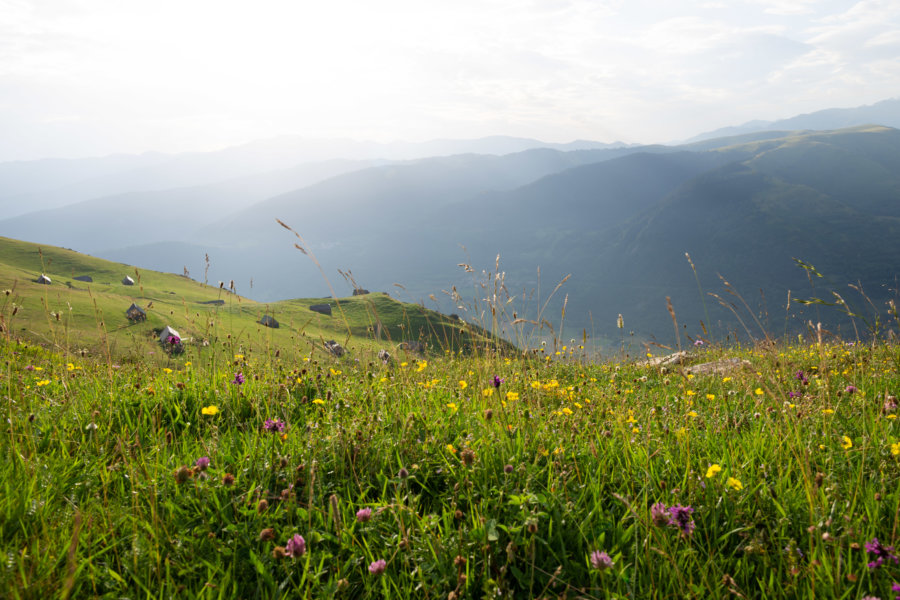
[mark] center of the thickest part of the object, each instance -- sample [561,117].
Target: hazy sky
[90,77]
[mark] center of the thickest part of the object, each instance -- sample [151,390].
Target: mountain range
[748,209]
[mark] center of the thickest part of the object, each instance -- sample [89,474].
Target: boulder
[360,292]
[269,321]
[678,358]
[324,309]
[718,367]
[334,348]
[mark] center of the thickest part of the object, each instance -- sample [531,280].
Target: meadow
[215,474]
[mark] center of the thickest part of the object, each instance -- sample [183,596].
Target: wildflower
[601,561]
[508,469]
[364,515]
[851,389]
[29,368]
[378,567]
[734,484]
[173,340]
[895,449]
[659,514]
[846,443]
[182,474]
[680,517]
[713,470]
[43,382]
[274,425]
[758,391]
[318,401]
[267,534]
[451,449]
[881,553]
[496,381]
[698,342]
[827,411]
[567,410]
[512,396]
[487,392]
[70,367]
[462,384]
[468,457]
[238,378]
[452,406]
[167,370]
[228,479]
[693,414]
[202,463]
[403,473]
[209,410]
[296,546]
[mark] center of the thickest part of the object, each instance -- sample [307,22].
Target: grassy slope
[92,315]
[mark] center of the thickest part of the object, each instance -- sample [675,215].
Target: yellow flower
[167,370]
[892,416]
[212,409]
[630,419]
[318,401]
[577,405]
[692,414]
[403,364]
[462,384]
[451,449]
[422,366]
[635,430]
[382,380]
[734,484]
[487,392]
[681,432]
[726,379]
[710,396]
[567,410]
[535,385]
[452,406]
[334,372]
[758,391]
[188,363]
[238,357]
[43,382]
[70,367]
[512,396]
[827,411]
[846,443]
[690,392]
[713,470]
[895,449]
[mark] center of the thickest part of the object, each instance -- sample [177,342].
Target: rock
[413,346]
[335,348]
[384,356]
[269,321]
[214,302]
[325,309]
[86,278]
[678,358]
[718,367]
[360,292]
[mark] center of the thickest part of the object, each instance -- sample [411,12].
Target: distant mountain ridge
[886,113]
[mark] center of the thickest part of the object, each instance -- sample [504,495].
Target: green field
[75,316]
[260,466]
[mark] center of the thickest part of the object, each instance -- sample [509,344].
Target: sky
[94,77]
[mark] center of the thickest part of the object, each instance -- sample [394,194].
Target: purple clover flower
[601,561]
[202,463]
[238,378]
[296,546]
[851,389]
[378,567]
[659,514]
[496,381]
[173,340]
[275,426]
[680,517]
[698,342]
[881,553]
[364,514]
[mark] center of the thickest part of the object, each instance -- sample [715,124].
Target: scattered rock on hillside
[269,321]
[335,348]
[324,309]
[678,358]
[384,356]
[718,367]
[86,278]
[413,347]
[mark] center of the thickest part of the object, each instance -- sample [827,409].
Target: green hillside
[89,317]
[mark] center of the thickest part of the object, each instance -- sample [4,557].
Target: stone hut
[135,313]
[127,280]
[43,280]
